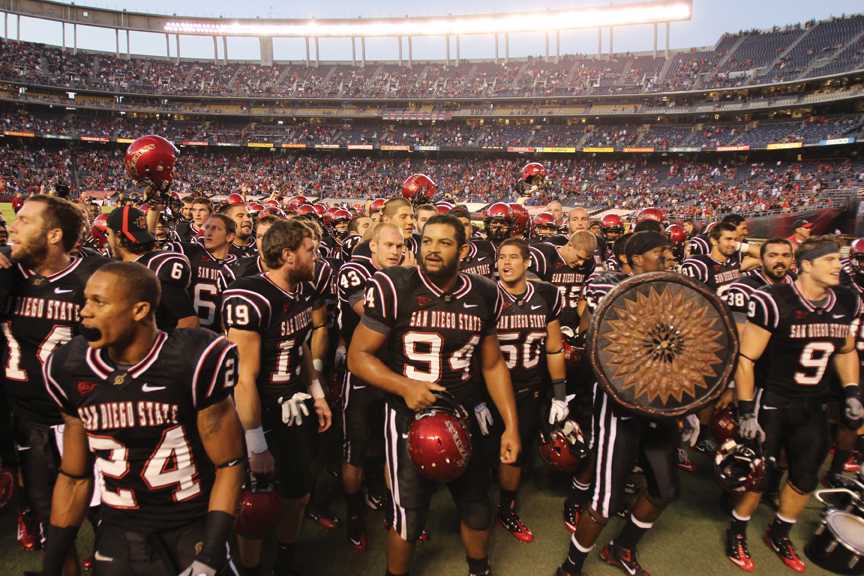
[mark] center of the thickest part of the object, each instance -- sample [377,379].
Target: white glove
[198,568]
[339,360]
[690,433]
[484,418]
[294,408]
[558,412]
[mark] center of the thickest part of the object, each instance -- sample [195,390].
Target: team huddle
[173,371]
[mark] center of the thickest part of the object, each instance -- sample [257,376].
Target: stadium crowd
[696,187]
[746,58]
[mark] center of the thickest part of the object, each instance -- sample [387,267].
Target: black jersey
[348,245]
[175,277]
[699,245]
[599,285]
[480,260]
[548,265]
[187,232]
[242,268]
[432,336]
[206,285]
[351,288]
[522,333]
[42,314]
[716,275]
[737,294]
[284,322]
[250,249]
[804,336]
[141,423]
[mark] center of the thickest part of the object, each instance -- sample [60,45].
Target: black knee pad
[477,514]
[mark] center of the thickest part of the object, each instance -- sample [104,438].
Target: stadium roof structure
[645,12]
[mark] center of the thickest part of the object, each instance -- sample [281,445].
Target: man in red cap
[803,230]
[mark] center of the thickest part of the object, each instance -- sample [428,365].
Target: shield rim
[665,276]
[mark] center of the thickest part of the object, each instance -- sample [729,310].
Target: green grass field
[7,212]
[687,540]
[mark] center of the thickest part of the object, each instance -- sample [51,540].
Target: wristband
[256,443]
[316,390]
[58,542]
[852,391]
[746,407]
[217,529]
[559,390]
[317,364]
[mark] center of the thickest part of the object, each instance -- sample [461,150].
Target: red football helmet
[521,219]
[292,204]
[564,447]
[306,210]
[254,207]
[724,424]
[676,233]
[320,210]
[272,211]
[419,188]
[444,207]
[234,199]
[260,506]
[856,255]
[739,467]
[439,441]
[377,205]
[654,214]
[612,223]
[500,214]
[544,225]
[334,217]
[533,169]
[150,160]
[99,232]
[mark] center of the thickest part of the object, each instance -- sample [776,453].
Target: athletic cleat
[510,520]
[324,519]
[852,464]
[375,501]
[25,532]
[738,552]
[87,564]
[571,515]
[784,548]
[623,558]
[359,541]
[683,461]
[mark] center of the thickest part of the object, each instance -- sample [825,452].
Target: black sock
[576,556]
[478,567]
[507,500]
[738,525]
[579,492]
[632,533]
[285,554]
[355,505]
[780,527]
[837,464]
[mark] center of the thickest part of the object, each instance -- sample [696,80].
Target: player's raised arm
[70,498]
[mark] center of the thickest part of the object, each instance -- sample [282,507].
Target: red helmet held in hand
[521,219]
[533,170]
[724,424]
[564,447]
[739,467]
[150,160]
[260,507]
[419,188]
[439,441]
[99,232]
[676,233]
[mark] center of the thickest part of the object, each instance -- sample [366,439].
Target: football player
[362,405]
[420,329]
[243,244]
[529,334]
[45,293]
[209,259]
[480,257]
[399,212]
[129,240]
[423,213]
[192,230]
[251,265]
[356,230]
[155,411]
[577,219]
[278,394]
[4,232]
[722,265]
[794,331]
[621,439]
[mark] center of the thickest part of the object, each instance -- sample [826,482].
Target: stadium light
[589,17]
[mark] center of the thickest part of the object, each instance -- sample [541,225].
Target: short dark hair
[519,243]
[355,223]
[267,218]
[138,281]
[453,222]
[721,227]
[648,226]
[734,219]
[62,214]
[282,235]
[202,200]
[619,249]
[460,211]
[230,225]
[426,206]
[777,240]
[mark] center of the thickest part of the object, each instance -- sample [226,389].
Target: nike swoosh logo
[537,307]
[148,388]
[481,258]
[471,305]
[62,291]
[99,557]
[837,316]
[766,407]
